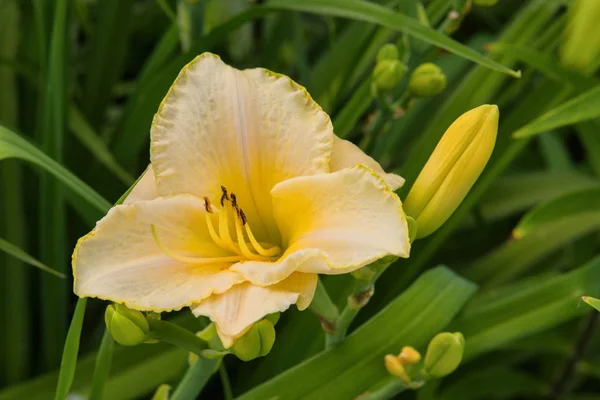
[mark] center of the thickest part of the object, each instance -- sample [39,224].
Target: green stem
[324,308]
[102,368]
[227,392]
[195,379]
[174,334]
[388,390]
[356,301]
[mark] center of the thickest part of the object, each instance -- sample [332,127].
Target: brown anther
[207,205]
[242,216]
[233,200]
[224,196]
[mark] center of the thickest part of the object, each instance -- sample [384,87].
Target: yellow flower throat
[232,241]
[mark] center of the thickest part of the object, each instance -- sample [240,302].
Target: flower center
[240,241]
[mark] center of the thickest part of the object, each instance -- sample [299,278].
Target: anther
[207,205]
[242,216]
[224,196]
[233,201]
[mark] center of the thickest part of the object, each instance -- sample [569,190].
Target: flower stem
[195,379]
[227,392]
[363,291]
[324,308]
[388,390]
[102,368]
[174,334]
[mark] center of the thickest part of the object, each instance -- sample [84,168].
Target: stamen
[271,252]
[224,196]
[224,231]
[207,205]
[244,247]
[188,259]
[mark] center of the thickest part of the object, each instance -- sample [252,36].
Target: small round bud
[388,52]
[395,368]
[128,327]
[387,74]
[444,354]
[427,80]
[257,342]
[409,356]
[273,318]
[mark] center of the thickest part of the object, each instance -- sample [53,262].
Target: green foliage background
[81,79]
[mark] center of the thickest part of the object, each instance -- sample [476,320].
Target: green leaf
[581,108]
[70,351]
[23,256]
[350,368]
[102,367]
[592,302]
[14,146]
[547,64]
[371,12]
[90,139]
[582,202]
[496,318]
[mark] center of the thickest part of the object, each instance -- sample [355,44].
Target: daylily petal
[346,154]
[234,311]
[351,215]
[244,130]
[121,261]
[144,189]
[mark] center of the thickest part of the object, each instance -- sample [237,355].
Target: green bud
[388,52]
[581,46]
[485,3]
[128,327]
[257,342]
[365,273]
[387,74]
[162,393]
[208,333]
[444,354]
[427,80]
[273,318]
[413,228]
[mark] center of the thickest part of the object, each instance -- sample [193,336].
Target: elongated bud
[257,342]
[387,74]
[409,355]
[128,327]
[388,52]
[444,354]
[426,80]
[162,393]
[582,35]
[273,318]
[452,169]
[395,368]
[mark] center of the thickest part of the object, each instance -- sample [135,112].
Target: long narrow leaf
[23,256]
[370,12]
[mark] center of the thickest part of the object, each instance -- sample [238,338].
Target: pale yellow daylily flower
[248,197]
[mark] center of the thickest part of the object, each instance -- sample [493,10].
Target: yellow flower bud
[452,168]
[395,368]
[409,356]
[257,342]
[388,52]
[582,35]
[444,354]
[387,74]
[162,393]
[426,80]
[128,327]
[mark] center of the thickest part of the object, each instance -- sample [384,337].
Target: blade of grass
[52,239]
[70,351]
[19,254]
[588,134]
[579,109]
[371,12]
[102,367]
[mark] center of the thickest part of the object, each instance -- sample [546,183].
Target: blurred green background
[81,79]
